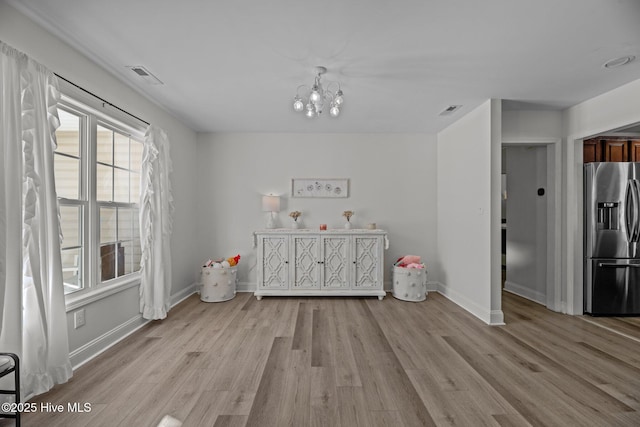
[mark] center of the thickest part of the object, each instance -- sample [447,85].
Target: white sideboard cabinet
[320,263]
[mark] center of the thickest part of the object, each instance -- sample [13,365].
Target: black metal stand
[16,385]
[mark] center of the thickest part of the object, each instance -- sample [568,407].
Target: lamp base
[272,222]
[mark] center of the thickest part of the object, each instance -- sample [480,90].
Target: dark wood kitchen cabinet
[615,150]
[634,150]
[611,149]
[592,151]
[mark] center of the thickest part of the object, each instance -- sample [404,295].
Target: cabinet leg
[258,297]
[380,297]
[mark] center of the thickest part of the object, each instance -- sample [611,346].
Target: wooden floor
[360,362]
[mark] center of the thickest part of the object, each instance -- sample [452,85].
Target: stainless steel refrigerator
[612,233]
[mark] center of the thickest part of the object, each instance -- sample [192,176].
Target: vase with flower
[295,215]
[348,215]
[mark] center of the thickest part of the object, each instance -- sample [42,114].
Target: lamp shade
[271,203]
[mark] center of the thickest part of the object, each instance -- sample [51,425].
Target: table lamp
[271,204]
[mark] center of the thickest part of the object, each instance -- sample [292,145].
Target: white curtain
[156,213]
[33,317]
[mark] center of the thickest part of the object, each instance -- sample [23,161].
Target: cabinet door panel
[366,258]
[634,149]
[306,271]
[616,151]
[334,258]
[275,262]
[592,151]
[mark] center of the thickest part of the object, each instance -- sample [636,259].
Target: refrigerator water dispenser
[608,216]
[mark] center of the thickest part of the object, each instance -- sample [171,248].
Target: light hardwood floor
[360,362]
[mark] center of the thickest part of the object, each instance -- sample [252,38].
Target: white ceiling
[234,65]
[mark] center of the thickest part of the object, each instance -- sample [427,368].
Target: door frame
[554,218]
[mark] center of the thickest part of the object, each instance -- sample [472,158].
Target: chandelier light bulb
[315,94]
[311,112]
[297,104]
[338,99]
[334,111]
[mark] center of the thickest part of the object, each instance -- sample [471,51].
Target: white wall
[609,111]
[526,222]
[113,316]
[392,183]
[468,206]
[522,124]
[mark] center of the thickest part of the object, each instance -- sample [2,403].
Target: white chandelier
[315,98]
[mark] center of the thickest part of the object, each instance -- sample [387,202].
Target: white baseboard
[93,348]
[245,287]
[490,317]
[525,292]
[100,344]
[183,294]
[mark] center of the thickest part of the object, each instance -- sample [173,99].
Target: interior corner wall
[612,110]
[392,182]
[466,155]
[115,315]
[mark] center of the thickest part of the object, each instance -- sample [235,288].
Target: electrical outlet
[78,318]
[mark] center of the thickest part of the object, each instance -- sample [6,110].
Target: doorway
[525,222]
[530,221]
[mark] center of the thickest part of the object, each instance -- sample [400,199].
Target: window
[118,160]
[67,166]
[97,172]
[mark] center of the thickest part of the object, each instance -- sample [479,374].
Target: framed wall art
[320,187]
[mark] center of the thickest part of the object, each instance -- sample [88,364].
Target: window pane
[136,155]
[68,134]
[67,176]
[104,183]
[136,225]
[121,186]
[137,249]
[108,225]
[111,261]
[125,224]
[121,150]
[70,223]
[128,257]
[134,179]
[104,145]
[72,269]
[137,255]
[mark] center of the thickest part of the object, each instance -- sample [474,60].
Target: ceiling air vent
[145,74]
[450,110]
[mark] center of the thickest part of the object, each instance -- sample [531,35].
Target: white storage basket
[218,284]
[409,284]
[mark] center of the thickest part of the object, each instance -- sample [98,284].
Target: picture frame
[320,187]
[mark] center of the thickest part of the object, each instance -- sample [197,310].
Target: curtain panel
[156,222]
[32,303]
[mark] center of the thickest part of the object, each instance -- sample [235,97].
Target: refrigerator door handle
[631,210]
[636,209]
[614,265]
